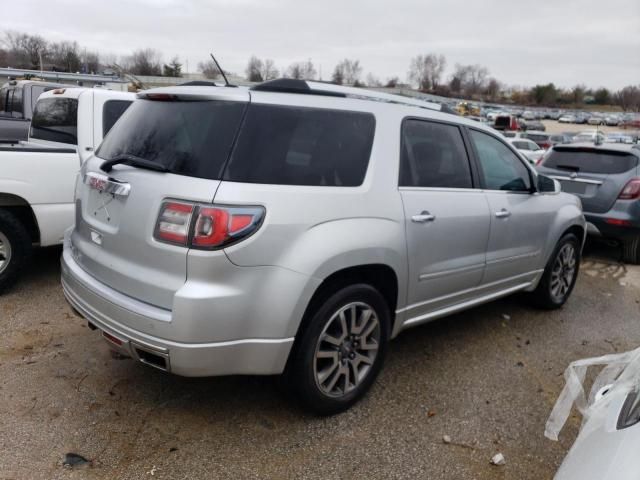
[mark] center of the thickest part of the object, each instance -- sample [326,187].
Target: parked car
[607,444]
[560,138]
[596,119]
[606,178]
[536,125]
[290,191]
[612,120]
[530,149]
[594,136]
[618,137]
[37,180]
[17,100]
[506,122]
[542,139]
[567,118]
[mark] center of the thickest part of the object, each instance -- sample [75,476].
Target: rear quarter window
[302,146]
[591,161]
[56,120]
[111,112]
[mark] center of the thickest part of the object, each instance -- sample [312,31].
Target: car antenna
[227,84]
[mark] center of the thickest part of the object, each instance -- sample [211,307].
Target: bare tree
[269,70]
[91,62]
[65,56]
[348,72]
[493,89]
[254,69]
[145,61]
[209,69]
[577,94]
[26,51]
[628,98]
[373,81]
[392,82]
[469,79]
[302,70]
[426,71]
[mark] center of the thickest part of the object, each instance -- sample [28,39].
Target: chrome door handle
[504,213]
[424,217]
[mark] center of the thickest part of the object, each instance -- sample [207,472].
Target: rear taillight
[631,190]
[206,226]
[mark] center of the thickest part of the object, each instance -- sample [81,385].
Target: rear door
[596,175]
[116,213]
[446,219]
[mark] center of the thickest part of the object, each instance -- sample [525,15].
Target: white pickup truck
[37,177]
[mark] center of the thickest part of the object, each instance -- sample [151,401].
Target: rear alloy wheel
[560,274]
[346,349]
[341,350]
[631,251]
[15,248]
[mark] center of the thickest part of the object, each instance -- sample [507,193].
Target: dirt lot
[554,127]
[487,378]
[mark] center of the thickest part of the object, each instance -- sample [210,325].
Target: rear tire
[559,275]
[15,249]
[631,250]
[340,351]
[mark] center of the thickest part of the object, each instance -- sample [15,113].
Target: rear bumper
[600,224]
[103,308]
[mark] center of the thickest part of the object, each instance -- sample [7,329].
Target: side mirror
[548,185]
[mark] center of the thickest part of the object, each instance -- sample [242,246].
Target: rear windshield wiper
[133,161]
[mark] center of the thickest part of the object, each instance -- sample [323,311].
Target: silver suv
[295,227]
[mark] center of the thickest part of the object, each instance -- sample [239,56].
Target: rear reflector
[112,339]
[617,222]
[631,190]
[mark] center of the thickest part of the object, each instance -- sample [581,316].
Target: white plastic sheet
[621,371]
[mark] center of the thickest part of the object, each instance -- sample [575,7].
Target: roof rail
[290,85]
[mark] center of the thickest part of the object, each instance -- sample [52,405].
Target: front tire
[340,351]
[559,275]
[15,249]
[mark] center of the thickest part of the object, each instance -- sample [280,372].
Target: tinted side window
[433,155]
[501,168]
[302,146]
[16,104]
[5,101]
[56,120]
[36,91]
[111,112]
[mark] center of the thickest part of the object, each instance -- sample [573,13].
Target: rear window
[503,121]
[537,137]
[591,161]
[302,146]
[56,120]
[191,138]
[111,112]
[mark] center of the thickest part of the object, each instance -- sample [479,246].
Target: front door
[519,217]
[446,219]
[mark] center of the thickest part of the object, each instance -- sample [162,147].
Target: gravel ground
[487,378]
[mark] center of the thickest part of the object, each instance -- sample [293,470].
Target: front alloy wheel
[563,272]
[559,275]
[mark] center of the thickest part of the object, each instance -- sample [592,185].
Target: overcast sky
[522,42]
